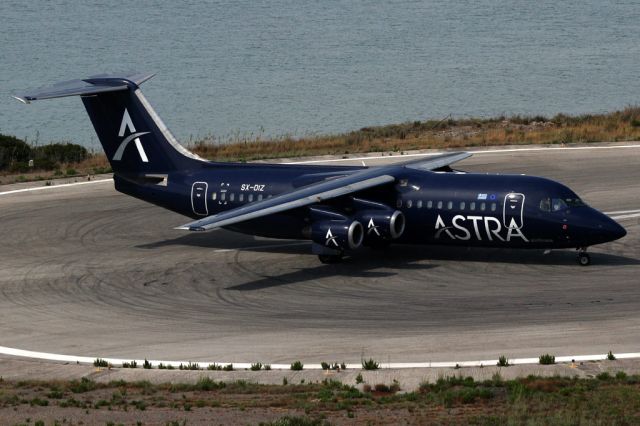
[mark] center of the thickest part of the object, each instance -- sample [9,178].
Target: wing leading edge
[319,192]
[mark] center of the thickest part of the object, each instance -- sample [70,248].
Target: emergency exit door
[199,198]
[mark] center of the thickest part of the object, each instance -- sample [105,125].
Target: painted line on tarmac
[487,151]
[269,246]
[242,365]
[625,216]
[62,185]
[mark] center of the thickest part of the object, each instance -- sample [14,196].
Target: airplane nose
[611,229]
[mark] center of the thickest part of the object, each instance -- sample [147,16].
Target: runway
[85,270]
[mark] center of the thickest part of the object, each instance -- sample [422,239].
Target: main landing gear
[583,257]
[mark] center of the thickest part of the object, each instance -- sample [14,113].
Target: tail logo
[127,123]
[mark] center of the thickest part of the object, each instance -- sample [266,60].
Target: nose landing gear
[583,257]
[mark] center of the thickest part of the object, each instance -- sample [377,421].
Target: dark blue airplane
[338,208]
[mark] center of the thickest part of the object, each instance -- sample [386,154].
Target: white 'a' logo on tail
[133,136]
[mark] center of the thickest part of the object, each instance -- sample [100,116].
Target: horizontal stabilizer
[90,86]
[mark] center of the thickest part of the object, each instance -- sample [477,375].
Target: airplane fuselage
[451,208]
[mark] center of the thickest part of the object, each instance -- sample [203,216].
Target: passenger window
[250,198]
[493,207]
[439,204]
[450,205]
[259,197]
[462,205]
[214,196]
[482,207]
[472,205]
[269,196]
[409,204]
[223,196]
[232,196]
[399,203]
[429,204]
[241,197]
[419,204]
[545,204]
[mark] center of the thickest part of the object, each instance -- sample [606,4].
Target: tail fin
[132,135]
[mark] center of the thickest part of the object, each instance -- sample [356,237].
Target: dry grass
[616,126]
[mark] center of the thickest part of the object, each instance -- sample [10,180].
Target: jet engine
[381,224]
[338,234]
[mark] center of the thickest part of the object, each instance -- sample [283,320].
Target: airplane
[338,208]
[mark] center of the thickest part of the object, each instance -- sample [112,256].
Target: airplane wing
[321,191]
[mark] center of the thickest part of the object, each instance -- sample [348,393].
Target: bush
[132,364]
[370,364]
[228,367]
[256,367]
[324,366]
[13,150]
[611,356]
[297,366]
[359,379]
[503,361]
[147,365]
[99,362]
[214,366]
[547,359]
[604,376]
[71,172]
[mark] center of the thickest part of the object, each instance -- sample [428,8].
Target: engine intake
[338,234]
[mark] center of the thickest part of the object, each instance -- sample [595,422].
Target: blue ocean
[246,69]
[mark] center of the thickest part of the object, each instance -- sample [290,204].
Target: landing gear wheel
[329,259]
[584,259]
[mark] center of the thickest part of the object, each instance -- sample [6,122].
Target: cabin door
[512,213]
[199,198]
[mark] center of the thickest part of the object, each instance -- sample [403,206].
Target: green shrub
[267,367]
[99,362]
[611,356]
[370,364]
[325,366]
[547,359]
[297,366]
[604,376]
[228,367]
[621,375]
[503,361]
[214,366]
[71,171]
[256,367]
[132,364]
[147,365]
[161,366]
[359,379]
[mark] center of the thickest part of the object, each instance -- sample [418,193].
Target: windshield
[556,204]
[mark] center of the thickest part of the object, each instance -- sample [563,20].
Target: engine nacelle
[382,224]
[338,234]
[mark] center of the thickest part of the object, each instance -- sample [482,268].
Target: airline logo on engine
[372,227]
[331,239]
[127,123]
[481,228]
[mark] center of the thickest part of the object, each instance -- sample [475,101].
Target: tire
[584,259]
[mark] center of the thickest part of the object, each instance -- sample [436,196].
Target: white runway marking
[241,365]
[62,185]
[625,216]
[487,151]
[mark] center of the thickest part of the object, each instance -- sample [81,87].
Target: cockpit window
[557,204]
[545,204]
